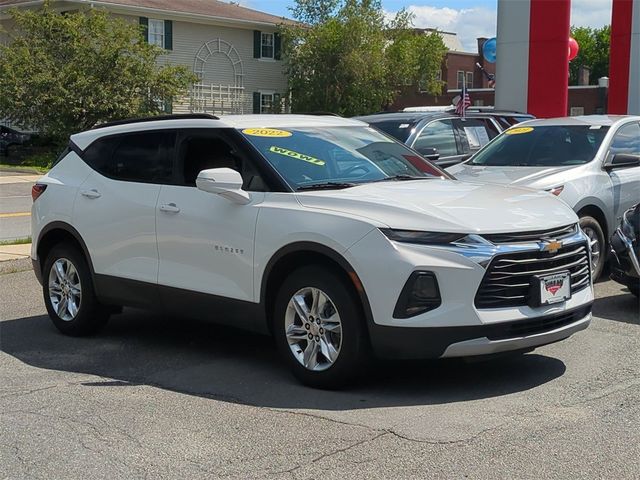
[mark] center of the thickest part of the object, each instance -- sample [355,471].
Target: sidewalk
[6,178]
[14,252]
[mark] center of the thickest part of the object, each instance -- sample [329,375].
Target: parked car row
[590,162]
[326,233]
[9,137]
[444,137]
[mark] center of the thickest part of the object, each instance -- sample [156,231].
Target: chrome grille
[506,282]
[520,237]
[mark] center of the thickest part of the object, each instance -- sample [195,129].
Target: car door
[205,241]
[115,207]
[625,181]
[439,135]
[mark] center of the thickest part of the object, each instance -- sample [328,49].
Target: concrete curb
[14,252]
[8,179]
[21,171]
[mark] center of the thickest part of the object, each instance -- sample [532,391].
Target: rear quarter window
[144,157]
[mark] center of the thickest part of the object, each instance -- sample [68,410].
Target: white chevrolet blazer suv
[329,235]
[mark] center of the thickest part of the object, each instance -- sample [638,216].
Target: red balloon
[574,48]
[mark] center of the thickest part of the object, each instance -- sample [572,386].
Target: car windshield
[542,146]
[338,157]
[400,129]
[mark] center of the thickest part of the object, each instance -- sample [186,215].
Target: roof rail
[183,116]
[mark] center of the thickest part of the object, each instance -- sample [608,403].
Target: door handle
[93,193]
[169,208]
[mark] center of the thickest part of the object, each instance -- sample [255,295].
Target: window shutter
[144,23]
[276,103]
[256,102]
[277,46]
[257,44]
[168,35]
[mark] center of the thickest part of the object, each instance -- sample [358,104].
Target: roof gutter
[199,18]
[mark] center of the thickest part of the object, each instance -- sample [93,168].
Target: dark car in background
[444,137]
[10,136]
[625,249]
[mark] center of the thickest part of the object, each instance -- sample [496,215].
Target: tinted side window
[203,150]
[626,140]
[144,157]
[438,134]
[476,133]
[400,129]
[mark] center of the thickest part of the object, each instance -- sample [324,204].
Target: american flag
[464,103]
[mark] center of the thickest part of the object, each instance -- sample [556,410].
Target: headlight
[421,238]
[472,246]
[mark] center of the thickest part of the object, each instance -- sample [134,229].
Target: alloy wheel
[313,329]
[594,246]
[65,290]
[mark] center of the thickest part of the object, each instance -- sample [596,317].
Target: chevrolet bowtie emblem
[551,246]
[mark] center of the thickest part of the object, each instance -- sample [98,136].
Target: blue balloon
[489,50]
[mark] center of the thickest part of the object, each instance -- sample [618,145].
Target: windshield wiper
[400,178]
[326,186]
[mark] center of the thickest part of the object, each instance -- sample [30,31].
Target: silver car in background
[590,162]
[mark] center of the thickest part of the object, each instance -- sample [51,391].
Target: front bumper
[457,327]
[441,342]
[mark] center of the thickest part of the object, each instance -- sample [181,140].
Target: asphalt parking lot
[164,397]
[15,204]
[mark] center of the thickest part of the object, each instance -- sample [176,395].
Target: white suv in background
[319,230]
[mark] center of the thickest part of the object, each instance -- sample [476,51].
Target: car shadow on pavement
[623,307]
[194,358]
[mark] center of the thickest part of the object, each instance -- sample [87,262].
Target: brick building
[460,66]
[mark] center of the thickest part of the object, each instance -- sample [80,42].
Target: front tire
[68,293]
[597,244]
[319,328]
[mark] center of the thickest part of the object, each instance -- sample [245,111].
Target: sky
[468,18]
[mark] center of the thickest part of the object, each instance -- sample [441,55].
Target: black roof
[409,117]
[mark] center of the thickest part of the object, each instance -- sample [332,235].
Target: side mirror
[224,182]
[621,160]
[430,153]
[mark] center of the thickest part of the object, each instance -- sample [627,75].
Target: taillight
[37,190]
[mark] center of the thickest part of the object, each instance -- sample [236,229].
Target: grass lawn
[23,169]
[18,241]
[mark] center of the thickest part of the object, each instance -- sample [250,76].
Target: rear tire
[597,244]
[68,293]
[328,348]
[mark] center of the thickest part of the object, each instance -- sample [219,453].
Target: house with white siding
[234,51]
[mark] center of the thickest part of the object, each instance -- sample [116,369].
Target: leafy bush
[63,73]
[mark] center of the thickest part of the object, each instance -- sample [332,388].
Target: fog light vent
[419,295]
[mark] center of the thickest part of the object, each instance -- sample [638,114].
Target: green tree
[62,73]
[593,53]
[346,57]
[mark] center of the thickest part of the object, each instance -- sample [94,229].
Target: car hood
[519,176]
[445,206]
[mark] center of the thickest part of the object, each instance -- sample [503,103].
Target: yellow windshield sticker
[296,155]
[519,130]
[266,132]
